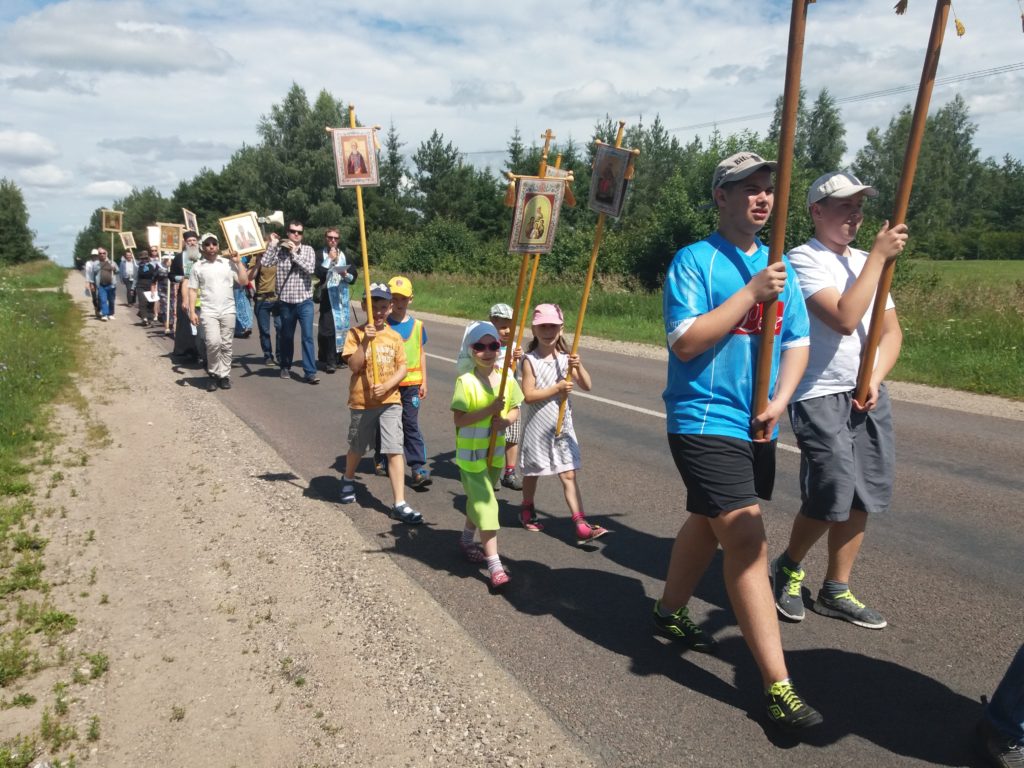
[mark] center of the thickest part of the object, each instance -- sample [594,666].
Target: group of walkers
[713,302]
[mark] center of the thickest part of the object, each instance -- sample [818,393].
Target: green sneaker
[678,626]
[848,608]
[789,600]
[787,710]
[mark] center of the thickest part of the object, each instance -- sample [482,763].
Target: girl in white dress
[542,452]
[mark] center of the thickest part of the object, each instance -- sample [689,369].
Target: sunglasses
[331,237]
[479,346]
[294,231]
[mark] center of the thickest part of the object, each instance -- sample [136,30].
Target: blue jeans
[263,318]
[301,313]
[108,294]
[1006,709]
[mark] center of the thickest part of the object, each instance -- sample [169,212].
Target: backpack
[106,272]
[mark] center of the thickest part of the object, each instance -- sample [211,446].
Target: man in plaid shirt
[295,263]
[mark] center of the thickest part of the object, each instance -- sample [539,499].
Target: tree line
[17,240]
[437,212]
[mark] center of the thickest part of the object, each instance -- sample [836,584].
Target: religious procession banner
[538,202]
[355,157]
[127,240]
[242,233]
[191,223]
[153,235]
[111,220]
[170,236]
[612,170]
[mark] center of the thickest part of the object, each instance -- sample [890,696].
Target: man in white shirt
[214,278]
[847,451]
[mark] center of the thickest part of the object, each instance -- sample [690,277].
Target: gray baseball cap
[739,166]
[838,184]
[502,311]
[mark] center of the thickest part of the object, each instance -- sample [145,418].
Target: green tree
[16,239]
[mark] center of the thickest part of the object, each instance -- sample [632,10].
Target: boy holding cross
[847,450]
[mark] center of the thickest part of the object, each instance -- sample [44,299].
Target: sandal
[528,519]
[406,514]
[499,579]
[473,552]
[585,532]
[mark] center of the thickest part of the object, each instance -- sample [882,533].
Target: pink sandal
[499,579]
[528,519]
[585,532]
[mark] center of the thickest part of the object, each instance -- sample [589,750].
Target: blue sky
[103,96]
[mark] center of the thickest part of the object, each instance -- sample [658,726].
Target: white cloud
[46,176]
[48,80]
[91,36]
[170,148]
[476,92]
[597,97]
[108,189]
[25,148]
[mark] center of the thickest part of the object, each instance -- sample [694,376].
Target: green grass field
[970,273]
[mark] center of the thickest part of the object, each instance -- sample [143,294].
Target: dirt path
[246,623]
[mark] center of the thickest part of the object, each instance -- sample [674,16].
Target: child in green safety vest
[479,412]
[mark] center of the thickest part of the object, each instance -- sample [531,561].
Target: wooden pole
[595,249]
[520,307]
[493,439]
[783,176]
[366,258]
[902,202]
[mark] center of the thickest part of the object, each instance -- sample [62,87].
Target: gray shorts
[847,458]
[362,429]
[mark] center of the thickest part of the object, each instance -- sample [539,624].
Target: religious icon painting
[535,220]
[355,157]
[191,223]
[609,180]
[550,172]
[127,240]
[242,233]
[111,220]
[170,236]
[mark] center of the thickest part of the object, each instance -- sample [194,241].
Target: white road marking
[618,404]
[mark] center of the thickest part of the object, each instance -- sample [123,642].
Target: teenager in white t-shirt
[847,448]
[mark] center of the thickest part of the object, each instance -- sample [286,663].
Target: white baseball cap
[838,184]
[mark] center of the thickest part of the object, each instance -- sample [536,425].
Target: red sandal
[528,519]
[585,532]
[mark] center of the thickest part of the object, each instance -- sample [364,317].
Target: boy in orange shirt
[374,400]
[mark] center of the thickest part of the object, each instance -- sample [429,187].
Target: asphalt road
[946,567]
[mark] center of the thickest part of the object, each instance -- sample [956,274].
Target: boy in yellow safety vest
[413,387]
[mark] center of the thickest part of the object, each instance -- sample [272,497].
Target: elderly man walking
[215,277]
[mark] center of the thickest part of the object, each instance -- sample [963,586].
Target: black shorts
[723,473]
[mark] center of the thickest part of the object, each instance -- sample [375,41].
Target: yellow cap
[400,286]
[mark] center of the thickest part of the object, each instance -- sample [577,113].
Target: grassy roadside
[963,321]
[38,354]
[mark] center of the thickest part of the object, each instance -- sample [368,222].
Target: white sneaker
[103,319]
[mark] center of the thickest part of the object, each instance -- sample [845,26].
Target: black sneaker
[678,626]
[225,383]
[789,600]
[512,480]
[848,608]
[998,749]
[787,710]
[406,514]
[212,385]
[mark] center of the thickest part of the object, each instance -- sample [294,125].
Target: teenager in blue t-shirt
[713,303]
